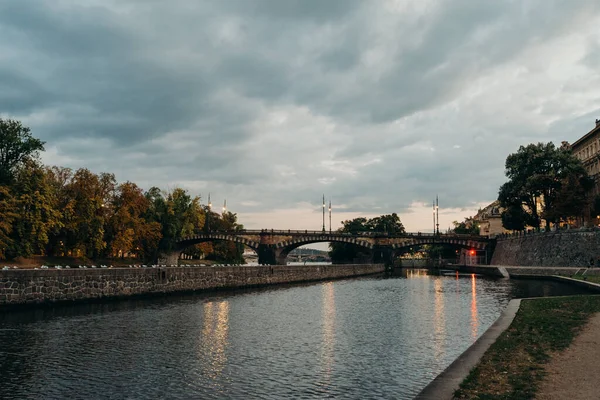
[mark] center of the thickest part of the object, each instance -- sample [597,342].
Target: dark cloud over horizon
[380,104]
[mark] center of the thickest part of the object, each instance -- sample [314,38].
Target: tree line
[55,211]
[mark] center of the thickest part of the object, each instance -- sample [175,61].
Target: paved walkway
[574,374]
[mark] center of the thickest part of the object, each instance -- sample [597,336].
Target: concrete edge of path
[444,385]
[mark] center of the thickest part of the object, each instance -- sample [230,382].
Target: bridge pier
[270,255]
[171,258]
[384,255]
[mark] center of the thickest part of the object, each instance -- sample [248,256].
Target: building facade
[587,149]
[489,220]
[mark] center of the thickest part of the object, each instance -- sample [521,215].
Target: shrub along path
[541,355]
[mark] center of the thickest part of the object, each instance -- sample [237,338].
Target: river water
[371,337]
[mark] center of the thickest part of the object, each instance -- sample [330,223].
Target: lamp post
[209,211]
[437,214]
[323,213]
[330,216]
[433,208]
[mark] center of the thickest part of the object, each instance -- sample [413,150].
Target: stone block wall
[553,249]
[51,285]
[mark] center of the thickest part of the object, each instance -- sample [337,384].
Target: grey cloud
[174,93]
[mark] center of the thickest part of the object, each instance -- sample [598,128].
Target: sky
[380,105]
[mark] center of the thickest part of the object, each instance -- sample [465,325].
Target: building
[489,219]
[587,149]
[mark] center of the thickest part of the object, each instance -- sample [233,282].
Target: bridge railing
[334,233]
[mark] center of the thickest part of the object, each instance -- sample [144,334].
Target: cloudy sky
[378,104]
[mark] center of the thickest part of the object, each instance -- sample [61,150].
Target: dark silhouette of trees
[540,178]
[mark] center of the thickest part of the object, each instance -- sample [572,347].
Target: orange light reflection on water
[327,349]
[439,320]
[474,318]
[214,338]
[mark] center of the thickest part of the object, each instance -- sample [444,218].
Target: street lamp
[330,216]
[437,214]
[323,213]
[209,211]
[433,207]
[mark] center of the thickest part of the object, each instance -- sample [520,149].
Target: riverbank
[515,365]
[38,261]
[511,363]
[40,286]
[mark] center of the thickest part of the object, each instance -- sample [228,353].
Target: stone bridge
[273,246]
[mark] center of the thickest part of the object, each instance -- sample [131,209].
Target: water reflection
[415,273]
[439,320]
[213,340]
[474,318]
[357,338]
[327,349]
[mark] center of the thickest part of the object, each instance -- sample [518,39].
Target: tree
[345,252]
[7,216]
[178,214]
[16,147]
[537,173]
[37,215]
[226,251]
[514,218]
[386,223]
[127,231]
[468,227]
[572,199]
[85,201]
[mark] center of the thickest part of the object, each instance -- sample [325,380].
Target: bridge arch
[284,248]
[188,241]
[458,243]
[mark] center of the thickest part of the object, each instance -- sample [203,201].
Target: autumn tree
[17,146]
[127,231]
[84,202]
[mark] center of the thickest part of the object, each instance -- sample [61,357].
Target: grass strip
[513,366]
[588,278]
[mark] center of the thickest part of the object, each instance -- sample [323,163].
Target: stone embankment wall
[51,285]
[554,249]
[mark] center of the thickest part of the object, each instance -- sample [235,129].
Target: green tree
[514,218]
[572,199]
[178,214]
[345,252]
[8,214]
[386,223]
[467,227]
[37,216]
[537,173]
[226,251]
[17,146]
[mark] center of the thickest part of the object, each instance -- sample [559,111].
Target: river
[371,337]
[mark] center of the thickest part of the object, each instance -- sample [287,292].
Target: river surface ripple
[357,339]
